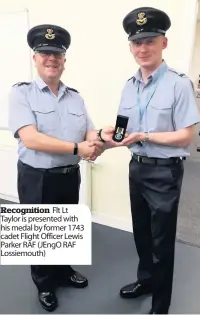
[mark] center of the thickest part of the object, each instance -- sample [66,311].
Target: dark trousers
[154,195]
[40,187]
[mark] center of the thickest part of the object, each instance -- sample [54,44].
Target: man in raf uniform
[162,113]
[54,132]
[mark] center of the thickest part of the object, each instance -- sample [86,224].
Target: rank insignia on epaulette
[130,78]
[71,89]
[22,83]
[182,74]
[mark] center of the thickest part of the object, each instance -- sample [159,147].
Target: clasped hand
[90,150]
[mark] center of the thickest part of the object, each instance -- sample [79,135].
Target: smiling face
[50,66]
[148,51]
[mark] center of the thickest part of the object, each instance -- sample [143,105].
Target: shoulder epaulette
[22,83]
[131,78]
[180,74]
[183,75]
[71,89]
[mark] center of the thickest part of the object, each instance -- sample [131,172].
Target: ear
[34,57]
[131,47]
[64,63]
[165,42]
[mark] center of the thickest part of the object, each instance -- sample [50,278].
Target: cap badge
[141,19]
[50,34]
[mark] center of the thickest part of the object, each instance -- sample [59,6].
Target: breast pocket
[132,112]
[159,116]
[47,119]
[77,119]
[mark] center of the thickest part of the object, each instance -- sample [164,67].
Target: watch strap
[99,136]
[75,148]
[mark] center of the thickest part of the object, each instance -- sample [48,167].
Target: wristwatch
[75,148]
[99,135]
[146,137]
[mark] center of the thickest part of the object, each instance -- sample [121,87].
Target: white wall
[98,65]
[195,63]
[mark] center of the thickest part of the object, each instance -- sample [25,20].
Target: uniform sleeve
[89,122]
[121,99]
[90,125]
[185,112]
[20,114]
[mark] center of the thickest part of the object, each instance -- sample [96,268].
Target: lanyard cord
[149,95]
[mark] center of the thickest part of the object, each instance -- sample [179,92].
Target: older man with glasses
[54,132]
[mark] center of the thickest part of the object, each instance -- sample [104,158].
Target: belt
[61,170]
[157,161]
[55,170]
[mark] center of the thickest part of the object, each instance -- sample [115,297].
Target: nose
[52,56]
[143,47]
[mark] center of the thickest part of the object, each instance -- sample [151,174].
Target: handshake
[89,150]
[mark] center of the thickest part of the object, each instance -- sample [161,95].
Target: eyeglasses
[45,54]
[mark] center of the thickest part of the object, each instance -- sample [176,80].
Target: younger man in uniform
[162,113]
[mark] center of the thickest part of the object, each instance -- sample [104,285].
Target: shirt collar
[154,76]
[63,88]
[42,85]
[159,71]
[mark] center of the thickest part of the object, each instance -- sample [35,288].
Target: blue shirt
[172,107]
[63,117]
